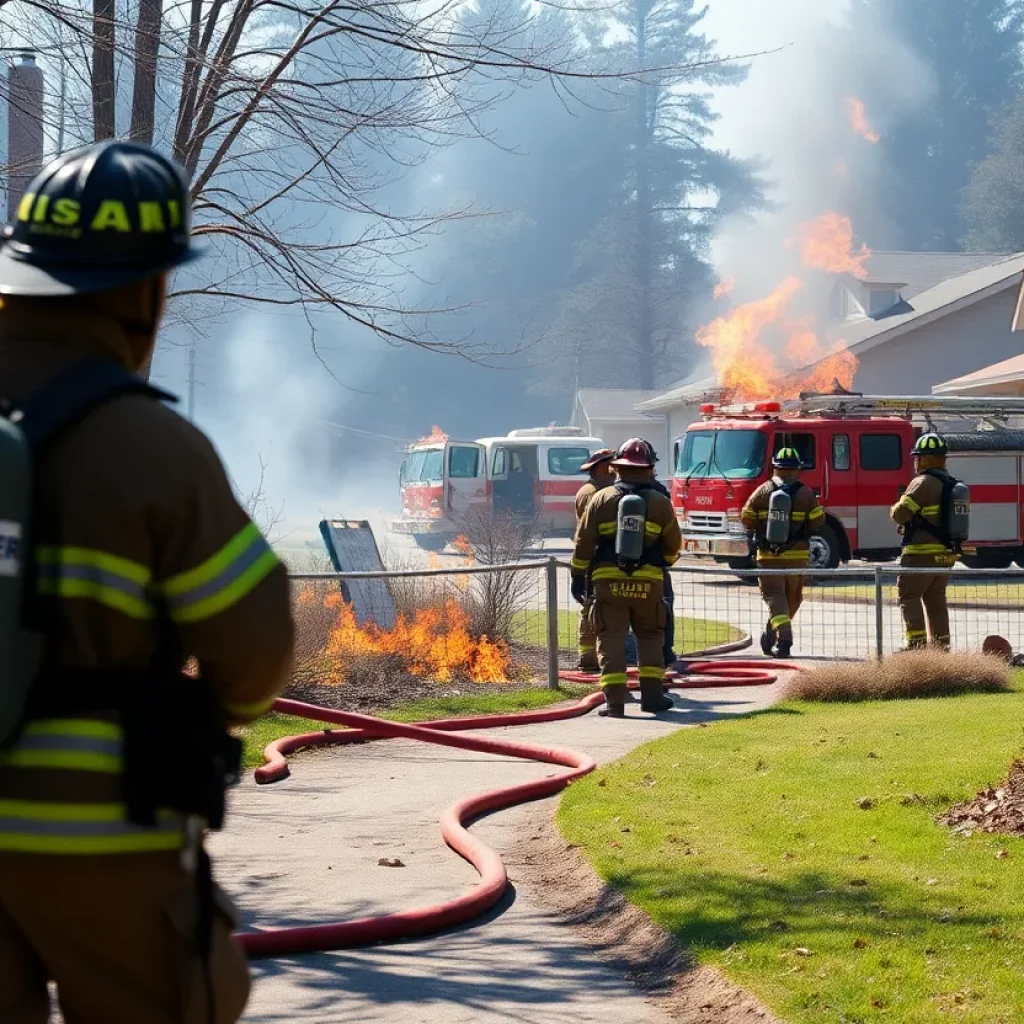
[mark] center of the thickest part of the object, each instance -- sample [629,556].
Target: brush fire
[859,120]
[435,642]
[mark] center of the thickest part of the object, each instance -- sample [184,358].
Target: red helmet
[635,452]
[997,645]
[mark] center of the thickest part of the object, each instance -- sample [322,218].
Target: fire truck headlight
[737,527]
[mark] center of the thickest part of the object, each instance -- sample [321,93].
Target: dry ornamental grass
[925,673]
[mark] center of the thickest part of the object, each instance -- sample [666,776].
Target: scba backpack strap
[27,431]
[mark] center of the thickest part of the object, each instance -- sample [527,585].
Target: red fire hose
[454,821]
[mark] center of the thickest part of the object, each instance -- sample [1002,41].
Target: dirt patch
[924,673]
[623,936]
[992,810]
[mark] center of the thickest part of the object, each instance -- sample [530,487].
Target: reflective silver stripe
[92,574]
[51,827]
[78,744]
[252,554]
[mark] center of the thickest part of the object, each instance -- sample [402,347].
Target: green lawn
[960,594]
[273,726]
[746,841]
[530,627]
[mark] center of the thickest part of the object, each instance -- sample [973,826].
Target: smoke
[798,110]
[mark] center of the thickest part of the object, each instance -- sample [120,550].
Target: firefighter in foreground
[601,475]
[780,517]
[933,515]
[627,537]
[140,556]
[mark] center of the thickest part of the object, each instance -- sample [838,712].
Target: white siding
[962,342]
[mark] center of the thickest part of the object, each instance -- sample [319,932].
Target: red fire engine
[532,474]
[856,450]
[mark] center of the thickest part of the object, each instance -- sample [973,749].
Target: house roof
[611,404]
[691,392]
[916,272]
[944,298]
[1006,372]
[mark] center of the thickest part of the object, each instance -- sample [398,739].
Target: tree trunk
[147,47]
[103,69]
[644,327]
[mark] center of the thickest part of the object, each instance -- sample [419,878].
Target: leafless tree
[293,118]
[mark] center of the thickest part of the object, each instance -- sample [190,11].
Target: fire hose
[456,819]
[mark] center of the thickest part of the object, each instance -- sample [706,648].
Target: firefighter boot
[653,698]
[616,696]
[782,651]
[768,639]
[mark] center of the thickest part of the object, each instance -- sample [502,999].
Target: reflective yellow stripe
[931,510]
[651,672]
[815,512]
[652,528]
[607,529]
[645,572]
[586,648]
[611,678]
[780,620]
[912,633]
[579,563]
[85,573]
[798,517]
[69,744]
[42,827]
[799,555]
[907,501]
[926,549]
[253,710]
[222,580]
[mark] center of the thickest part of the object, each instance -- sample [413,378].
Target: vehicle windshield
[423,467]
[732,454]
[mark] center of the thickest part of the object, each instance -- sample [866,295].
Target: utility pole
[192,381]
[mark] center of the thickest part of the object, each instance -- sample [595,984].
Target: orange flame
[462,545]
[435,642]
[436,436]
[826,243]
[749,369]
[859,121]
[724,287]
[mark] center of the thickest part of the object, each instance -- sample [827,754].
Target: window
[881,452]
[566,461]
[499,462]
[803,443]
[840,451]
[728,454]
[463,462]
[433,466]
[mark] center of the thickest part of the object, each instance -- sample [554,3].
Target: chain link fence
[401,634]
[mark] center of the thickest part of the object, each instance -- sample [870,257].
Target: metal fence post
[879,617]
[551,570]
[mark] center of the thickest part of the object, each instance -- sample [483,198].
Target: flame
[859,121]
[724,287]
[462,545]
[750,370]
[434,642]
[436,436]
[826,243]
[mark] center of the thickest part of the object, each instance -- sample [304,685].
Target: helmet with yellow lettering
[929,444]
[97,218]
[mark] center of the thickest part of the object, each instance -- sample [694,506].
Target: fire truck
[532,474]
[856,454]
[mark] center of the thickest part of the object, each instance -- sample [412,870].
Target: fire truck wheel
[430,541]
[825,549]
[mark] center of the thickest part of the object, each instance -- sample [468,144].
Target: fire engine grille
[711,521]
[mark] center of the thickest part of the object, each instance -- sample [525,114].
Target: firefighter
[601,476]
[785,545]
[140,548]
[918,515]
[627,579]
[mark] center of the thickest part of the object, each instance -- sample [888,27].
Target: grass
[796,849]
[529,626]
[273,726]
[925,673]
[961,594]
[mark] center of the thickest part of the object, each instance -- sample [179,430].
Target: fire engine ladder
[910,406]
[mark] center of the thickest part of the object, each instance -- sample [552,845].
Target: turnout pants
[587,638]
[783,595]
[621,605]
[117,935]
[922,598]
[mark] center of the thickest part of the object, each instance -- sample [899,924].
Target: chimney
[24,127]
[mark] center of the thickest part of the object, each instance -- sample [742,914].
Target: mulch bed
[992,810]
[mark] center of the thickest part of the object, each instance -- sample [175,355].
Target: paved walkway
[306,850]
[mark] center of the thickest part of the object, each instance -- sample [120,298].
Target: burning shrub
[925,673]
[434,642]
